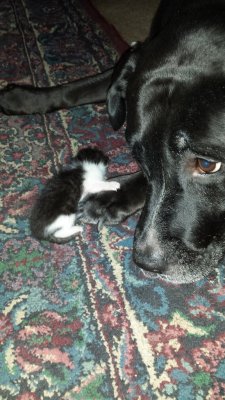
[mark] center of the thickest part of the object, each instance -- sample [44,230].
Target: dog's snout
[149,263]
[148,253]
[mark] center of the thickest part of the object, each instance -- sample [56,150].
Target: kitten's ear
[116,98]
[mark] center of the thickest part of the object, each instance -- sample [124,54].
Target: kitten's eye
[203,166]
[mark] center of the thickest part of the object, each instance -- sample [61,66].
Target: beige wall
[131,18]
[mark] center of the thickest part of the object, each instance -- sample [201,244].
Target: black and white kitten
[53,216]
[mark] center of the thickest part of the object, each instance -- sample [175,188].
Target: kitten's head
[92,155]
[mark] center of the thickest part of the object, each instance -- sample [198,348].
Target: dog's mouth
[182,266]
[180,274]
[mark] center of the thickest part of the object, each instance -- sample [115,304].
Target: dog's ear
[116,98]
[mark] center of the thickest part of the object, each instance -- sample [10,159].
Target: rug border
[118,42]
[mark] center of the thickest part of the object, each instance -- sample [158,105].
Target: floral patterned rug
[80,320]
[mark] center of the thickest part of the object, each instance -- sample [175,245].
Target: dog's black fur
[170,90]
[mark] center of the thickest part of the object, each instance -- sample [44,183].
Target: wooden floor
[131,18]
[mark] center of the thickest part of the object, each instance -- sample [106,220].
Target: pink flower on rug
[218,390]
[110,317]
[28,396]
[53,355]
[6,328]
[43,341]
[166,340]
[209,355]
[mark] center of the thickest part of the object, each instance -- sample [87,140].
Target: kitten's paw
[112,185]
[105,208]
[102,186]
[66,233]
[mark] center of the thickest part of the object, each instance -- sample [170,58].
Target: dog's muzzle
[148,254]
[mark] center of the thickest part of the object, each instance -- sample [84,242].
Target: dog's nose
[148,252]
[150,261]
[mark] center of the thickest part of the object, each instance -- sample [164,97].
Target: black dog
[170,90]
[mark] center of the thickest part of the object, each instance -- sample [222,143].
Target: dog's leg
[30,100]
[112,207]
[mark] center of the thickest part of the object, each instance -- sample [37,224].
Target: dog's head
[176,129]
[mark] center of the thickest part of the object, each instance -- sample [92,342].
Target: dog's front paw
[102,208]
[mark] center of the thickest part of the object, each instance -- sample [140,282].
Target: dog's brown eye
[207,167]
